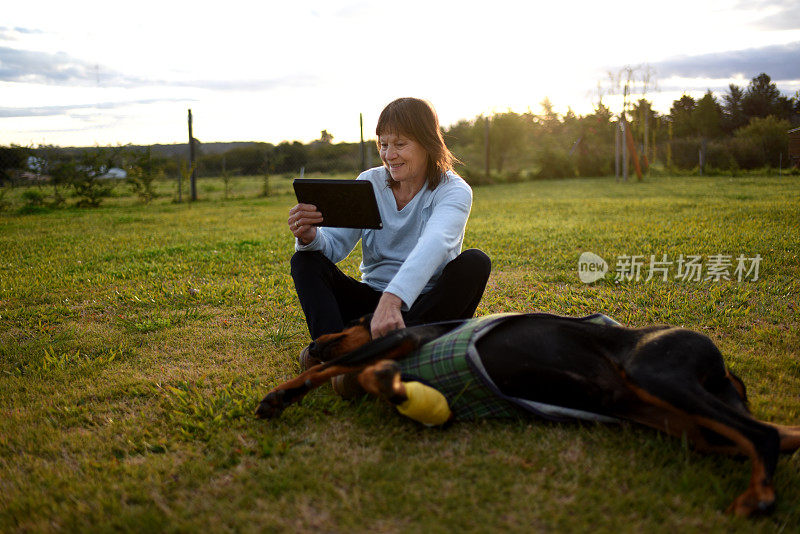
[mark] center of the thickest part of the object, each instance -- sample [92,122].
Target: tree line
[745,129]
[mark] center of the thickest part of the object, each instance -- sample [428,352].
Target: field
[136,341]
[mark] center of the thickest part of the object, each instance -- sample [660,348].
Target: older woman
[412,269]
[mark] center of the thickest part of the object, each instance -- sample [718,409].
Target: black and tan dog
[668,378]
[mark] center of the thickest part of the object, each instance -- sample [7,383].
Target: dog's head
[331,346]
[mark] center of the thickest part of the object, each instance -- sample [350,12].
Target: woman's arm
[443,232]
[302,217]
[387,316]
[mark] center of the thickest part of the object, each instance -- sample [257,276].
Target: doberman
[671,379]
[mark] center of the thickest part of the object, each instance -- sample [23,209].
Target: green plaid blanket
[443,364]
[451,365]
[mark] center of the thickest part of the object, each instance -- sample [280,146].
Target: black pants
[330,299]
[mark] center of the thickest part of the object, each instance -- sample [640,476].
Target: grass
[136,341]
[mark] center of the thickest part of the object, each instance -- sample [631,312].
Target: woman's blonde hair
[416,118]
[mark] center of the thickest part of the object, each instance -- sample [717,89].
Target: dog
[668,378]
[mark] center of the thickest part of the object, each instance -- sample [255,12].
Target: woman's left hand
[387,316]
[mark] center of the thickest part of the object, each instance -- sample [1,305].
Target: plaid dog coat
[451,364]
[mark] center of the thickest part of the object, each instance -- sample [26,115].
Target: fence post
[616,150]
[624,126]
[363,150]
[191,159]
[486,142]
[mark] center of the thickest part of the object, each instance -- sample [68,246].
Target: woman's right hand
[301,219]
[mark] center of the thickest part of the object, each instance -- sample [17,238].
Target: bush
[768,136]
[685,153]
[555,163]
[746,153]
[594,161]
[142,173]
[34,198]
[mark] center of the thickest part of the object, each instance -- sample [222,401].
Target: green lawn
[136,341]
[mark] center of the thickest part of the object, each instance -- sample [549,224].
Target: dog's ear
[332,346]
[363,321]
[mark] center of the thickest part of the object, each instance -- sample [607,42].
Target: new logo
[591,267]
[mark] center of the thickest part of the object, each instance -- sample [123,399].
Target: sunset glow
[86,73]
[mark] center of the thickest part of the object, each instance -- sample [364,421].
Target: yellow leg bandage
[425,405]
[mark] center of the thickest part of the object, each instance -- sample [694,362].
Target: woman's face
[405,158]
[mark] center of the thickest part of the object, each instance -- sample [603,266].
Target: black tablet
[343,203]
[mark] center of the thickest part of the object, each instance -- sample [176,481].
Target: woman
[412,269]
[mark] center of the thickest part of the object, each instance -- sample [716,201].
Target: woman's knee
[475,262]
[306,262]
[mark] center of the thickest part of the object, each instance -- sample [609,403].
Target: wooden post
[225,177]
[266,176]
[646,148]
[669,146]
[486,142]
[191,159]
[632,152]
[624,126]
[363,148]
[702,156]
[617,136]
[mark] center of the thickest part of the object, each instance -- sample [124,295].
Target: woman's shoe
[347,386]
[306,360]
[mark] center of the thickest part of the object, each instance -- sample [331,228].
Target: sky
[85,73]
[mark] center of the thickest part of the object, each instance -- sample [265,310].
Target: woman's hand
[387,316]
[301,219]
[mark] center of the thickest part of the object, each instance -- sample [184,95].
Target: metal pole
[191,159]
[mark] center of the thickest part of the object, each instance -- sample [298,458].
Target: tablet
[343,203]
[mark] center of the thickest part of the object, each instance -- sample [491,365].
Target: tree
[761,97]
[506,137]
[289,157]
[795,119]
[733,116]
[89,182]
[644,120]
[593,154]
[681,115]
[54,163]
[142,172]
[325,137]
[12,159]
[707,116]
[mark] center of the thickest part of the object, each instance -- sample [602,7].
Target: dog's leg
[361,354]
[415,400]
[747,436]
[383,380]
[294,390]
[789,437]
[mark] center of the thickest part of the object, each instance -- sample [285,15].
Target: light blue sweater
[408,254]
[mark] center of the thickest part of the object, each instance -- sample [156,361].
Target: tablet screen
[343,203]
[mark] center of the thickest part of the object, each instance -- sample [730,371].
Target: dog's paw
[387,378]
[752,503]
[272,405]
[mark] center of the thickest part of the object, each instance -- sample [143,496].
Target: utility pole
[191,159]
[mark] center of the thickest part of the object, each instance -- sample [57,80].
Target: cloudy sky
[85,73]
